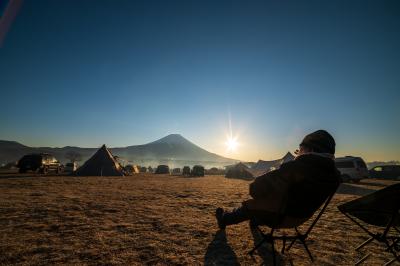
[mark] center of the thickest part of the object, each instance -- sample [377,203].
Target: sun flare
[231,144]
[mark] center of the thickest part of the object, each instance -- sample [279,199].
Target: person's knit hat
[320,141]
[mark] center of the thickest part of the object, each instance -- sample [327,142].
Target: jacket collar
[325,155]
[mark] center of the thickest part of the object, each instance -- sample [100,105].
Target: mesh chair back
[376,208]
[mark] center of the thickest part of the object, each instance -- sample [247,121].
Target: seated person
[297,188]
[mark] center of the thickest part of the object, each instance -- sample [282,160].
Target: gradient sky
[85,73]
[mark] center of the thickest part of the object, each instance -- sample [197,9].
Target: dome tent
[239,170]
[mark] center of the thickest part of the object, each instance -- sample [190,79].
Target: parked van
[352,169]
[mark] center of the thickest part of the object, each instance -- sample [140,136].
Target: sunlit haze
[84,73]
[231,144]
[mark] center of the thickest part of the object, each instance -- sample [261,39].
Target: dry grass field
[154,220]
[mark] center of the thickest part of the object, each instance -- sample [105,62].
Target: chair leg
[294,240]
[283,246]
[362,259]
[393,249]
[395,244]
[273,252]
[266,238]
[365,243]
[306,248]
[291,244]
[302,239]
[389,262]
[257,246]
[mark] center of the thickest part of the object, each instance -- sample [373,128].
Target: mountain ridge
[172,149]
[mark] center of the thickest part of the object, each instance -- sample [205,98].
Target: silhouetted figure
[313,171]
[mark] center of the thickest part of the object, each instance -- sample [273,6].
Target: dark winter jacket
[297,188]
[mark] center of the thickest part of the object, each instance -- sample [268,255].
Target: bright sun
[231,143]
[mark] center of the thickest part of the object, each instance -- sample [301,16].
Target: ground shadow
[372,183]
[265,250]
[350,189]
[219,252]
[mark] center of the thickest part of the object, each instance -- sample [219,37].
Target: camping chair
[379,209]
[287,222]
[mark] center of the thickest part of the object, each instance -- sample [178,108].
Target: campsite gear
[102,163]
[320,141]
[381,209]
[283,220]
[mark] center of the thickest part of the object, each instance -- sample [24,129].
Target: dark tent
[239,170]
[102,163]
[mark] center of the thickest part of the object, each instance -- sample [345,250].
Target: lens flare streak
[231,143]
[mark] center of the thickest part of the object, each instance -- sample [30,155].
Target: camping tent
[131,169]
[239,170]
[262,167]
[102,163]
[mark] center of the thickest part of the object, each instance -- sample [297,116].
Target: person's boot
[233,217]
[219,214]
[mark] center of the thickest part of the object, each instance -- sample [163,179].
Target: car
[197,170]
[352,169]
[186,170]
[39,162]
[70,167]
[385,171]
[162,169]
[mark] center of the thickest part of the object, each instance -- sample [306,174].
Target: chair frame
[302,237]
[385,238]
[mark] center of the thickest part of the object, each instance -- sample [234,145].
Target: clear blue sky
[129,72]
